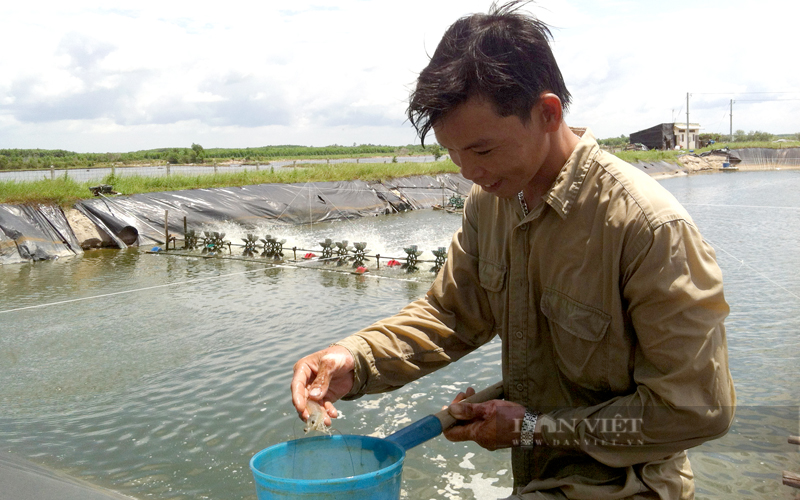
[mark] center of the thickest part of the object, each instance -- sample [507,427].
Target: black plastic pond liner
[24,480]
[35,233]
[118,228]
[58,222]
[657,167]
[43,233]
[288,203]
[766,156]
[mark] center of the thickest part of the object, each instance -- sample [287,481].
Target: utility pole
[687,121]
[731,115]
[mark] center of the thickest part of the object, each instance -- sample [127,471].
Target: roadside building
[668,136]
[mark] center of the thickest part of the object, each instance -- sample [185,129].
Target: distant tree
[752,136]
[760,136]
[705,139]
[797,136]
[197,154]
[174,156]
[435,150]
[616,141]
[622,140]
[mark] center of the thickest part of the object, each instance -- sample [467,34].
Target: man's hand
[493,425]
[324,376]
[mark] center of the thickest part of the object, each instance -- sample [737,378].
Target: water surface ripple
[167,392]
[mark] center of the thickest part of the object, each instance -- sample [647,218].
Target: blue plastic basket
[329,467]
[345,466]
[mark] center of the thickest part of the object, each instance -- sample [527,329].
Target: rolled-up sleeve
[451,320]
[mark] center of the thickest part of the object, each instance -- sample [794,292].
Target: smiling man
[503,154]
[608,302]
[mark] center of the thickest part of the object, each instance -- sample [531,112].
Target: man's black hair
[503,55]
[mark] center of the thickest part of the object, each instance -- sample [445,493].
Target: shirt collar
[568,184]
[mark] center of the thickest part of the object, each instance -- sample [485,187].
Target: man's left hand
[493,425]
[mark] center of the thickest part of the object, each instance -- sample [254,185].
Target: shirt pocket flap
[492,276]
[580,320]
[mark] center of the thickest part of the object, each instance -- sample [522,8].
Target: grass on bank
[65,192]
[651,156]
[35,159]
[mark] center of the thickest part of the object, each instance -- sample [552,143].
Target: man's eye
[483,153]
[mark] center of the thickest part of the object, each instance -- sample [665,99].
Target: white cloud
[86,77]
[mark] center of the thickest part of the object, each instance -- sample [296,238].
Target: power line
[207,278]
[738,93]
[122,292]
[763,100]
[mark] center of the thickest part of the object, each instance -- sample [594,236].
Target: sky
[100,76]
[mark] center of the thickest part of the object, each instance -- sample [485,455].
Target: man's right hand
[324,376]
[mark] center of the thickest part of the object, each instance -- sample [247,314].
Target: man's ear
[551,112]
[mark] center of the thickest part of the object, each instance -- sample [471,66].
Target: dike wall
[34,233]
[756,157]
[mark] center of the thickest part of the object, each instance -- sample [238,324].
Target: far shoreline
[59,188]
[739,168]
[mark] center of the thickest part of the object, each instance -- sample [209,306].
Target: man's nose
[469,168]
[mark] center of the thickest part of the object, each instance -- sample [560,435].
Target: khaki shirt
[610,309]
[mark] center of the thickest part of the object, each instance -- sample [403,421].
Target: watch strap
[528,428]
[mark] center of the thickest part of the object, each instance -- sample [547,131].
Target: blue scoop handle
[431,426]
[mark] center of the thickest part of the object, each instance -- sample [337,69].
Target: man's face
[501,154]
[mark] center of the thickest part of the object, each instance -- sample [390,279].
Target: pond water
[98,174]
[160,376]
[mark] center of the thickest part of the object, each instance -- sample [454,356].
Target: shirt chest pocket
[493,280]
[578,335]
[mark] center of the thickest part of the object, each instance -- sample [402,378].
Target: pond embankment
[32,233]
[743,159]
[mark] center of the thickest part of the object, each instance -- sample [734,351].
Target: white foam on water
[466,464]
[481,487]
[387,240]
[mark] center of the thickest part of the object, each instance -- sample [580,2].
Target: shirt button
[520,387]
[518,335]
[523,227]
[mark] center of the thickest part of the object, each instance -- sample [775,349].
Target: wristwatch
[526,435]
